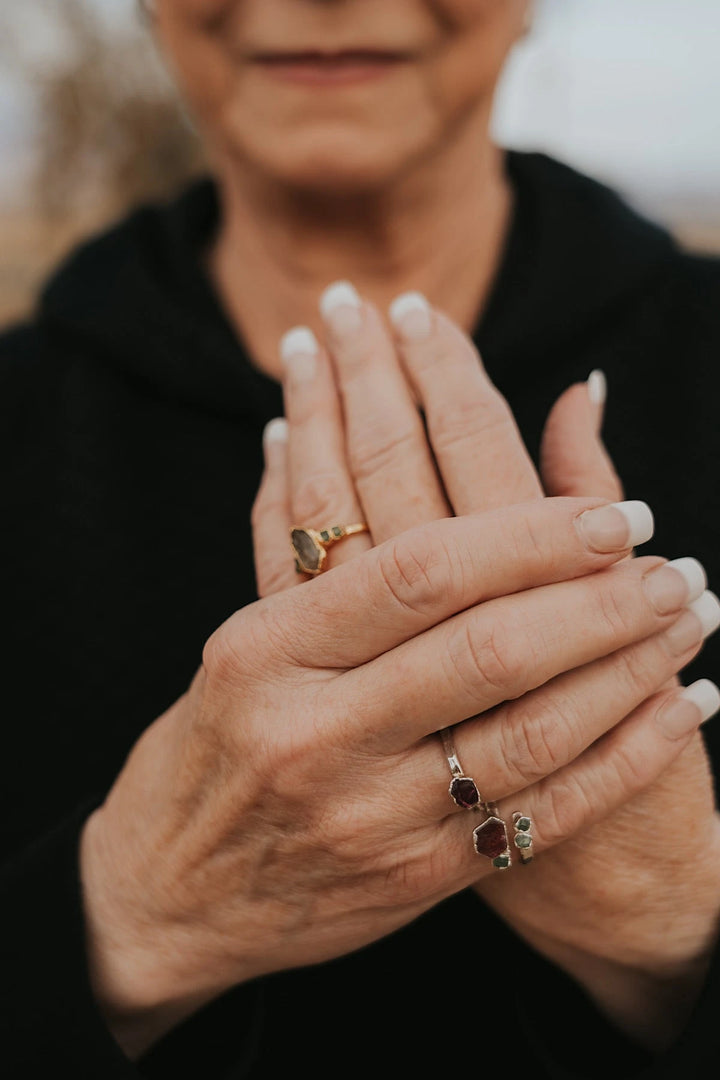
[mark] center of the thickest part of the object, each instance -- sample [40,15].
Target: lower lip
[329,74]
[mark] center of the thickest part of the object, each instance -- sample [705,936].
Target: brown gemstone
[464,792]
[491,838]
[306,548]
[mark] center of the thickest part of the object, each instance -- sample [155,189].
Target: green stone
[523,824]
[337,531]
[501,862]
[522,840]
[324,535]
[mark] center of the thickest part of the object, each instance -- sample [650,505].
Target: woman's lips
[329,69]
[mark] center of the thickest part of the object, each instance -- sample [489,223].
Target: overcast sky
[628,90]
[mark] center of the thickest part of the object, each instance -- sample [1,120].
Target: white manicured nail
[705,695]
[682,715]
[694,574]
[298,340]
[707,609]
[597,387]
[298,351]
[410,315]
[340,306]
[674,585]
[276,430]
[617,526]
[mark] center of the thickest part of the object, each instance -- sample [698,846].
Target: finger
[620,765]
[521,741]
[270,515]
[573,459]
[504,648]
[482,458]
[422,577]
[322,493]
[388,453]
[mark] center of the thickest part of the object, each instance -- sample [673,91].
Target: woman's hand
[598,906]
[293,805]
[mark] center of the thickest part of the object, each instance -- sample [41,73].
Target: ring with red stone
[463,790]
[491,839]
[310,545]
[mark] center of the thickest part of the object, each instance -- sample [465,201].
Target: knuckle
[632,770]
[319,496]
[413,572]
[485,659]
[534,740]
[566,808]
[373,455]
[462,420]
[615,609]
[638,669]
[219,659]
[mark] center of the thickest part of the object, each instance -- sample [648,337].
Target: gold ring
[310,545]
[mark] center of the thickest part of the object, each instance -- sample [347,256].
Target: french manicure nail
[616,526]
[597,387]
[700,619]
[685,633]
[707,609]
[298,351]
[410,315]
[675,584]
[684,714]
[340,306]
[276,430]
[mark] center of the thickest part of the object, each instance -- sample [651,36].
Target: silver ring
[463,790]
[490,838]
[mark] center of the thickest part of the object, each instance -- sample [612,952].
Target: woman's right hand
[293,805]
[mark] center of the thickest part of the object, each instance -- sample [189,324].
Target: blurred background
[626,90]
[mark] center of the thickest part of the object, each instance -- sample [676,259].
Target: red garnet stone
[491,838]
[464,792]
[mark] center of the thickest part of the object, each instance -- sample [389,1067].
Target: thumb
[573,458]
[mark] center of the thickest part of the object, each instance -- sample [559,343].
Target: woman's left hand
[636,932]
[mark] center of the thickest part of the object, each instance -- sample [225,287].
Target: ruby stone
[491,838]
[464,792]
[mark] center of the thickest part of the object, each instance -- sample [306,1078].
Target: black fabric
[131,449]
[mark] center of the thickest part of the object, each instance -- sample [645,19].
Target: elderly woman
[374,743]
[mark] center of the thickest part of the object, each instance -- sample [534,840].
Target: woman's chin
[341,164]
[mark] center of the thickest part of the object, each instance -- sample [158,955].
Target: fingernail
[298,351]
[675,584]
[685,633]
[616,526]
[707,609]
[597,387]
[684,714]
[410,315]
[597,392]
[276,431]
[700,619]
[340,306]
[274,434]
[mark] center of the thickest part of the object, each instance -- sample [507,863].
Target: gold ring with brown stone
[310,545]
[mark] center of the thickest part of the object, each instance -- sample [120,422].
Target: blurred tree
[111,129]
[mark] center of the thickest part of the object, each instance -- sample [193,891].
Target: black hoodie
[131,456]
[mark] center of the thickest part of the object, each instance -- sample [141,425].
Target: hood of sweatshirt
[137,297]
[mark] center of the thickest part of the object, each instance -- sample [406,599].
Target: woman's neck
[440,231]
